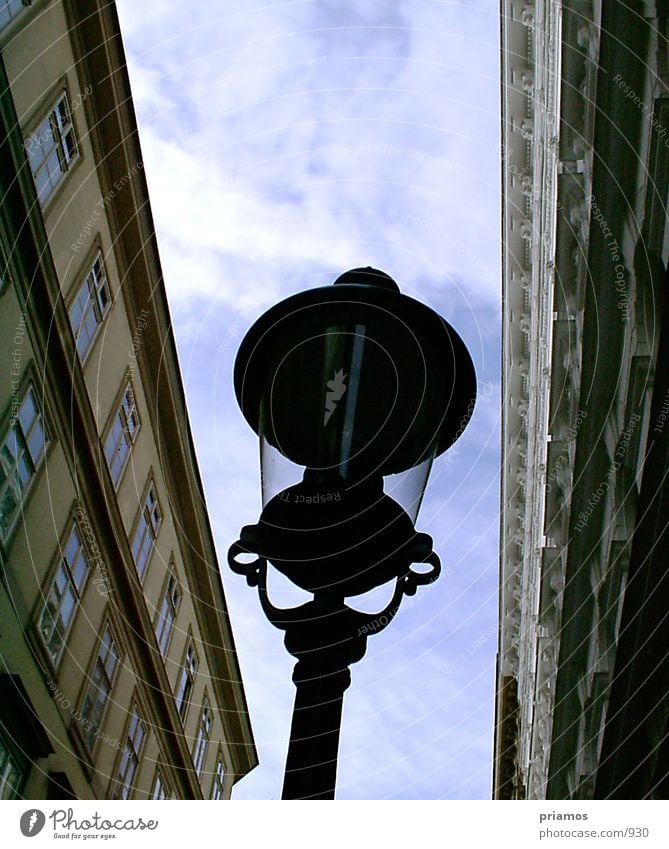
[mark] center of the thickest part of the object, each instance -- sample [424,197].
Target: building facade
[583,677]
[118,671]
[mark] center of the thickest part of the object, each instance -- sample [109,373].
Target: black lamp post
[353,390]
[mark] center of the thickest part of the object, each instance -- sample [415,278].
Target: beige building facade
[118,669]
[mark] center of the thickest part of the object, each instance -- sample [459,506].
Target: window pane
[53,169]
[24,471]
[88,310]
[118,462]
[27,412]
[92,711]
[114,439]
[142,547]
[72,546]
[202,743]
[99,689]
[159,788]
[164,624]
[116,449]
[42,185]
[9,9]
[78,309]
[36,442]
[48,618]
[137,540]
[198,755]
[40,143]
[136,732]
[103,296]
[86,331]
[145,533]
[67,605]
[168,612]
[219,777]
[10,774]
[109,660]
[130,422]
[121,436]
[129,761]
[174,591]
[69,146]
[62,600]
[62,113]
[17,467]
[8,506]
[24,439]
[183,692]
[152,511]
[10,450]
[76,559]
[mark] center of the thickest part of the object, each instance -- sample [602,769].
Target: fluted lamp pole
[353,390]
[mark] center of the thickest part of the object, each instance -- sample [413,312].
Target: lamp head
[350,387]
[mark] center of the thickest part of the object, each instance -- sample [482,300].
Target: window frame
[162,624]
[151,529]
[130,756]
[11,422]
[15,17]
[58,124]
[93,283]
[20,763]
[184,701]
[90,686]
[159,778]
[72,526]
[122,413]
[218,780]
[203,736]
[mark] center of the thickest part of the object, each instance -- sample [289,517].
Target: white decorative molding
[527,15]
[527,130]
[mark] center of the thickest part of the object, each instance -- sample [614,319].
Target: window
[219,778]
[186,681]
[10,10]
[90,306]
[160,789]
[101,681]
[146,530]
[168,612]
[21,455]
[202,740]
[64,595]
[11,773]
[122,434]
[52,148]
[129,760]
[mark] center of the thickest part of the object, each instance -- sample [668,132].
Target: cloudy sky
[285,142]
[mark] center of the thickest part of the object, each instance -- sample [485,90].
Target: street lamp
[353,390]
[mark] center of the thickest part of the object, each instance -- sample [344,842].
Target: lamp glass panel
[353,401]
[278,474]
